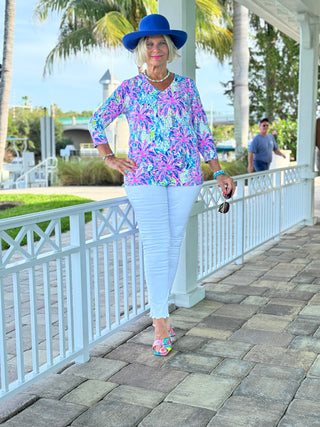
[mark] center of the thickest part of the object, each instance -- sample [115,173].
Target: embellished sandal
[172,331]
[166,347]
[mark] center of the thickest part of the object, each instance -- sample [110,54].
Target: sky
[74,83]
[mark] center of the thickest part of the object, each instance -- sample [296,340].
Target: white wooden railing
[40,175]
[62,293]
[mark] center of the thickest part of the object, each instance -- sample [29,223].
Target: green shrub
[206,172]
[87,172]
[238,167]
[285,133]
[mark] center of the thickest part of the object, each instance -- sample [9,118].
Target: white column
[186,291]
[181,15]
[308,80]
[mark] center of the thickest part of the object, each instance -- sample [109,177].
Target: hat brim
[131,40]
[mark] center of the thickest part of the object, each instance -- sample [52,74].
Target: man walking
[261,148]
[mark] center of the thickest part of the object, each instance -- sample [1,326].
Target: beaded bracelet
[108,155]
[217,173]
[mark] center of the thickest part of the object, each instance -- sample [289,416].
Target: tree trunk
[5,81]
[240,66]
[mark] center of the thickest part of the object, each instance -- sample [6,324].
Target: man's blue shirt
[262,147]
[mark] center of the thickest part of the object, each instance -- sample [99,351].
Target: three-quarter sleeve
[206,145]
[105,115]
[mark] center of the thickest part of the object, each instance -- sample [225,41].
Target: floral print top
[168,130]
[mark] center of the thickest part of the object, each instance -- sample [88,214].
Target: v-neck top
[168,130]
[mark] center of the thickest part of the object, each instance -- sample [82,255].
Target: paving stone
[242,411]
[274,284]
[181,321]
[303,326]
[136,353]
[255,300]
[248,290]
[16,404]
[159,379]
[225,348]
[314,287]
[263,387]
[189,343]
[192,362]
[280,310]
[306,343]
[96,369]
[203,309]
[299,421]
[309,389]
[219,287]
[109,344]
[236,311]
[242,277]
[304,407]
[315,368]
[55,386]
[284,270]
[136,396]
[267,322]
[313,267]
[194,315]
[224,272]
[112,414]
[221,322]
[311,310]
[281,293]
[45,412]
[224,297]
[89,392]
[304,278]
[209,333]
[168,414]
[233,368]
[282,372]
[204,391]
[281,357]
[288,301]
[139,324]
[315,300]
[145,337]
[253,336]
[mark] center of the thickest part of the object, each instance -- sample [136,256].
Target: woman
[162,174]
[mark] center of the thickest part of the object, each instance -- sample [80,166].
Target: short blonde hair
[140,52]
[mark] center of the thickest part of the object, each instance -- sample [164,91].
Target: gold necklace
[156,81]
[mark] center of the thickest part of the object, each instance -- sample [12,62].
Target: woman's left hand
[227,185]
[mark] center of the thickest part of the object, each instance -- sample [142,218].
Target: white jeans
[162,214]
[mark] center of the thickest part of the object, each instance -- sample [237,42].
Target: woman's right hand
[123,165]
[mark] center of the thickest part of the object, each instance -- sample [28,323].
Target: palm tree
[86,24]
[6,71]
[240,67]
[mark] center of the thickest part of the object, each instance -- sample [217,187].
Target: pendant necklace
[156,81]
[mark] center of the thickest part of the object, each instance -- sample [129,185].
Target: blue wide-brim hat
[154,25]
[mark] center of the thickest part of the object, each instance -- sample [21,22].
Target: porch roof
[283,14]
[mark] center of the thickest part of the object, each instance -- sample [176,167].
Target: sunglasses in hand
[225,206]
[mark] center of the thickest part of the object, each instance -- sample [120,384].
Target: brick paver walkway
[247,355]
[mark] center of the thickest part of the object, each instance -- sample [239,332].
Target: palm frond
[208,8]
[76,42]
[217,40]
[111,28]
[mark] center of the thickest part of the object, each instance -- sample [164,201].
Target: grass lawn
[32,203]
